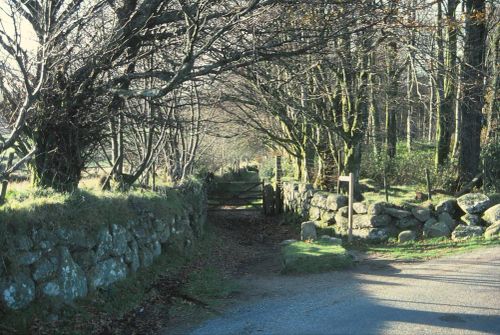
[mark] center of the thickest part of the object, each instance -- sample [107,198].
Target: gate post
[278,194]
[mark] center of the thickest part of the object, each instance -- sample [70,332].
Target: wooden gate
[239,194]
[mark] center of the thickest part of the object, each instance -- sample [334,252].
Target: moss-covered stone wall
[62,250]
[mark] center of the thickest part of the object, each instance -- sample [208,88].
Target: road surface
[459,294]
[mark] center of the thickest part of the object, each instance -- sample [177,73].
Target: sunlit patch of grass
[84,207]
[402,194]
[312,257]
[424,249]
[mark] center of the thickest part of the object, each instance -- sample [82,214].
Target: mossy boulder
[474,203]
[464,232]
[406,236]
[17,292]
[493,231]
[433,228]
[492,215]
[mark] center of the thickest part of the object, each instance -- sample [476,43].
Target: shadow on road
[437,297]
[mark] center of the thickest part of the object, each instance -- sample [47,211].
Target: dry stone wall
[468,216]
[65,263]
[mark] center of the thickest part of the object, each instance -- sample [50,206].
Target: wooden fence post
[428,179]
[351,200]
[278,198]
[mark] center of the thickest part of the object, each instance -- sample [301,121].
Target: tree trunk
[59,163]
[352,163]
[447,87]
[472,79]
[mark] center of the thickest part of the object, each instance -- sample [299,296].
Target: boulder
[71,282]
[360,208]
[473,203]
[308,231]
[43,269]
[132,256]
[17,292]
[75,237]
[119,236]
[492,215]
[493,231]
[397,213]
[463,232]
[408,222]
[436,229]
[319,199]
[448,206]
[328,217]
[471,219]
[23,243]
[107,272]
[336,201]
[86,259]
[407,235]
[448,220]
[371,221]
[377,208]
[330,240]
[421,214]
[146,256]
[314,213]
[28,257]
[373,235]
[104,243]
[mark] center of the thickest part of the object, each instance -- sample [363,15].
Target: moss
[303,257]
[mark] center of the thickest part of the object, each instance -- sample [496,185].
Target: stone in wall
[421,214]
[17,291]
[371,221]
[336,201]
[471,220]
[319,199]
[360,208]
[492,215]
[71,281]
[473,203]
[107,272]
[449,206]
[328,217]
[464,232]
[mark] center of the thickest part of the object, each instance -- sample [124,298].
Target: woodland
[130,91]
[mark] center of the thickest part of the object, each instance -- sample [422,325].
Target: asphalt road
[453,295]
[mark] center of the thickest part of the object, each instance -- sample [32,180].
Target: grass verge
[424,249]
[312,257]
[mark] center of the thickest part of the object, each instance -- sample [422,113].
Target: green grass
[26,207]
[424,249]
[304,257]
[208,284]
[402,194]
